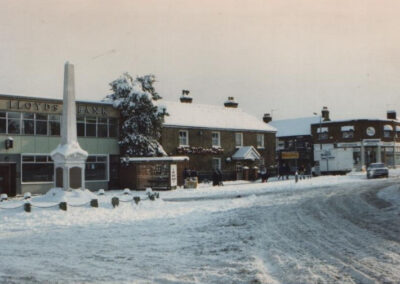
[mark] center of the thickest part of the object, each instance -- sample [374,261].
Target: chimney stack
[325,114]
[391,114]
[186,98]
[267,118]
[231,103]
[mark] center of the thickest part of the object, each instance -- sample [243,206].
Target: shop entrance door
[370,155]
[7,179]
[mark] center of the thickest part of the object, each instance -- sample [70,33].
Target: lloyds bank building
[30,130]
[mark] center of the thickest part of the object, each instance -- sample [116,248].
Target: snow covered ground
[343,229]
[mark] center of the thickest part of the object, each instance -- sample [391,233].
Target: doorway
[8,179]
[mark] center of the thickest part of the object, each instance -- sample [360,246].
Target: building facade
[341,146]
[212,137]
[294,142]
[30,130]
[218,137]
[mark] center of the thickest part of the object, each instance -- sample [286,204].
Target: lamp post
[394,147]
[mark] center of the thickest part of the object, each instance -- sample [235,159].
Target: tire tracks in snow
[324,238]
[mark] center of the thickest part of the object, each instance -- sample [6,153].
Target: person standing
[263,173]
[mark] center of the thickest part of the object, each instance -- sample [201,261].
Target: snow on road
[323,230]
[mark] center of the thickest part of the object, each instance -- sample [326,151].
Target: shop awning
[246,153]
[388,127]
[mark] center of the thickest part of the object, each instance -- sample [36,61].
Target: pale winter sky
[292,57]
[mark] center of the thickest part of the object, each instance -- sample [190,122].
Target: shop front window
[37,168]
[96,168]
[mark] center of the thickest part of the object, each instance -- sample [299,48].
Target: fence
[27,205]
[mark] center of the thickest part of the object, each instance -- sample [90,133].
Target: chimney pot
[231,103]
[391,114]
[267,118]
[186,98]
[325,114]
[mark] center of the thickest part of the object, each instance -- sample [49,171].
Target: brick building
[344,145]
[294,146]
[222,137]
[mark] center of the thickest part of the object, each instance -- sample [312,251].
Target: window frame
[219,163]
[107,169]
[262,146]
[219,139]
[241,139]
[48,161]
[187,138]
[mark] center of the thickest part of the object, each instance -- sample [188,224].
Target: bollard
[127,191]
[94,203]
[136,199]
[152,197]
[115,201]
[157,195]
[100,192]
[63,206]
[27,195]
[27,207]
[296,177]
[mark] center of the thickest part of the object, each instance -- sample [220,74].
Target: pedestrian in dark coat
[220,177]
[186,173]
[215,178]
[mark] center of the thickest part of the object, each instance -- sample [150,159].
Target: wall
[202,138]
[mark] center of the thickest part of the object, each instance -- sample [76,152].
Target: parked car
[375,170]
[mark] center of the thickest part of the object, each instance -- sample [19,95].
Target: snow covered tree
[141,119]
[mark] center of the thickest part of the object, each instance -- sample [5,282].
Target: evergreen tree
[141,119]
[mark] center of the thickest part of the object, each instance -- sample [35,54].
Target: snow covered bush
[141,120]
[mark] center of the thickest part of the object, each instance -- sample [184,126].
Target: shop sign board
[290,155]
[371,142]
[174,175]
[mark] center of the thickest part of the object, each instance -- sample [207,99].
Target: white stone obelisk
[69,158]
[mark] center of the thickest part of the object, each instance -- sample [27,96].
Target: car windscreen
[377,166]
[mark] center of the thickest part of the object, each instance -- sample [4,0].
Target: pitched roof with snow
[246,153]
[211,116]
[294,126]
